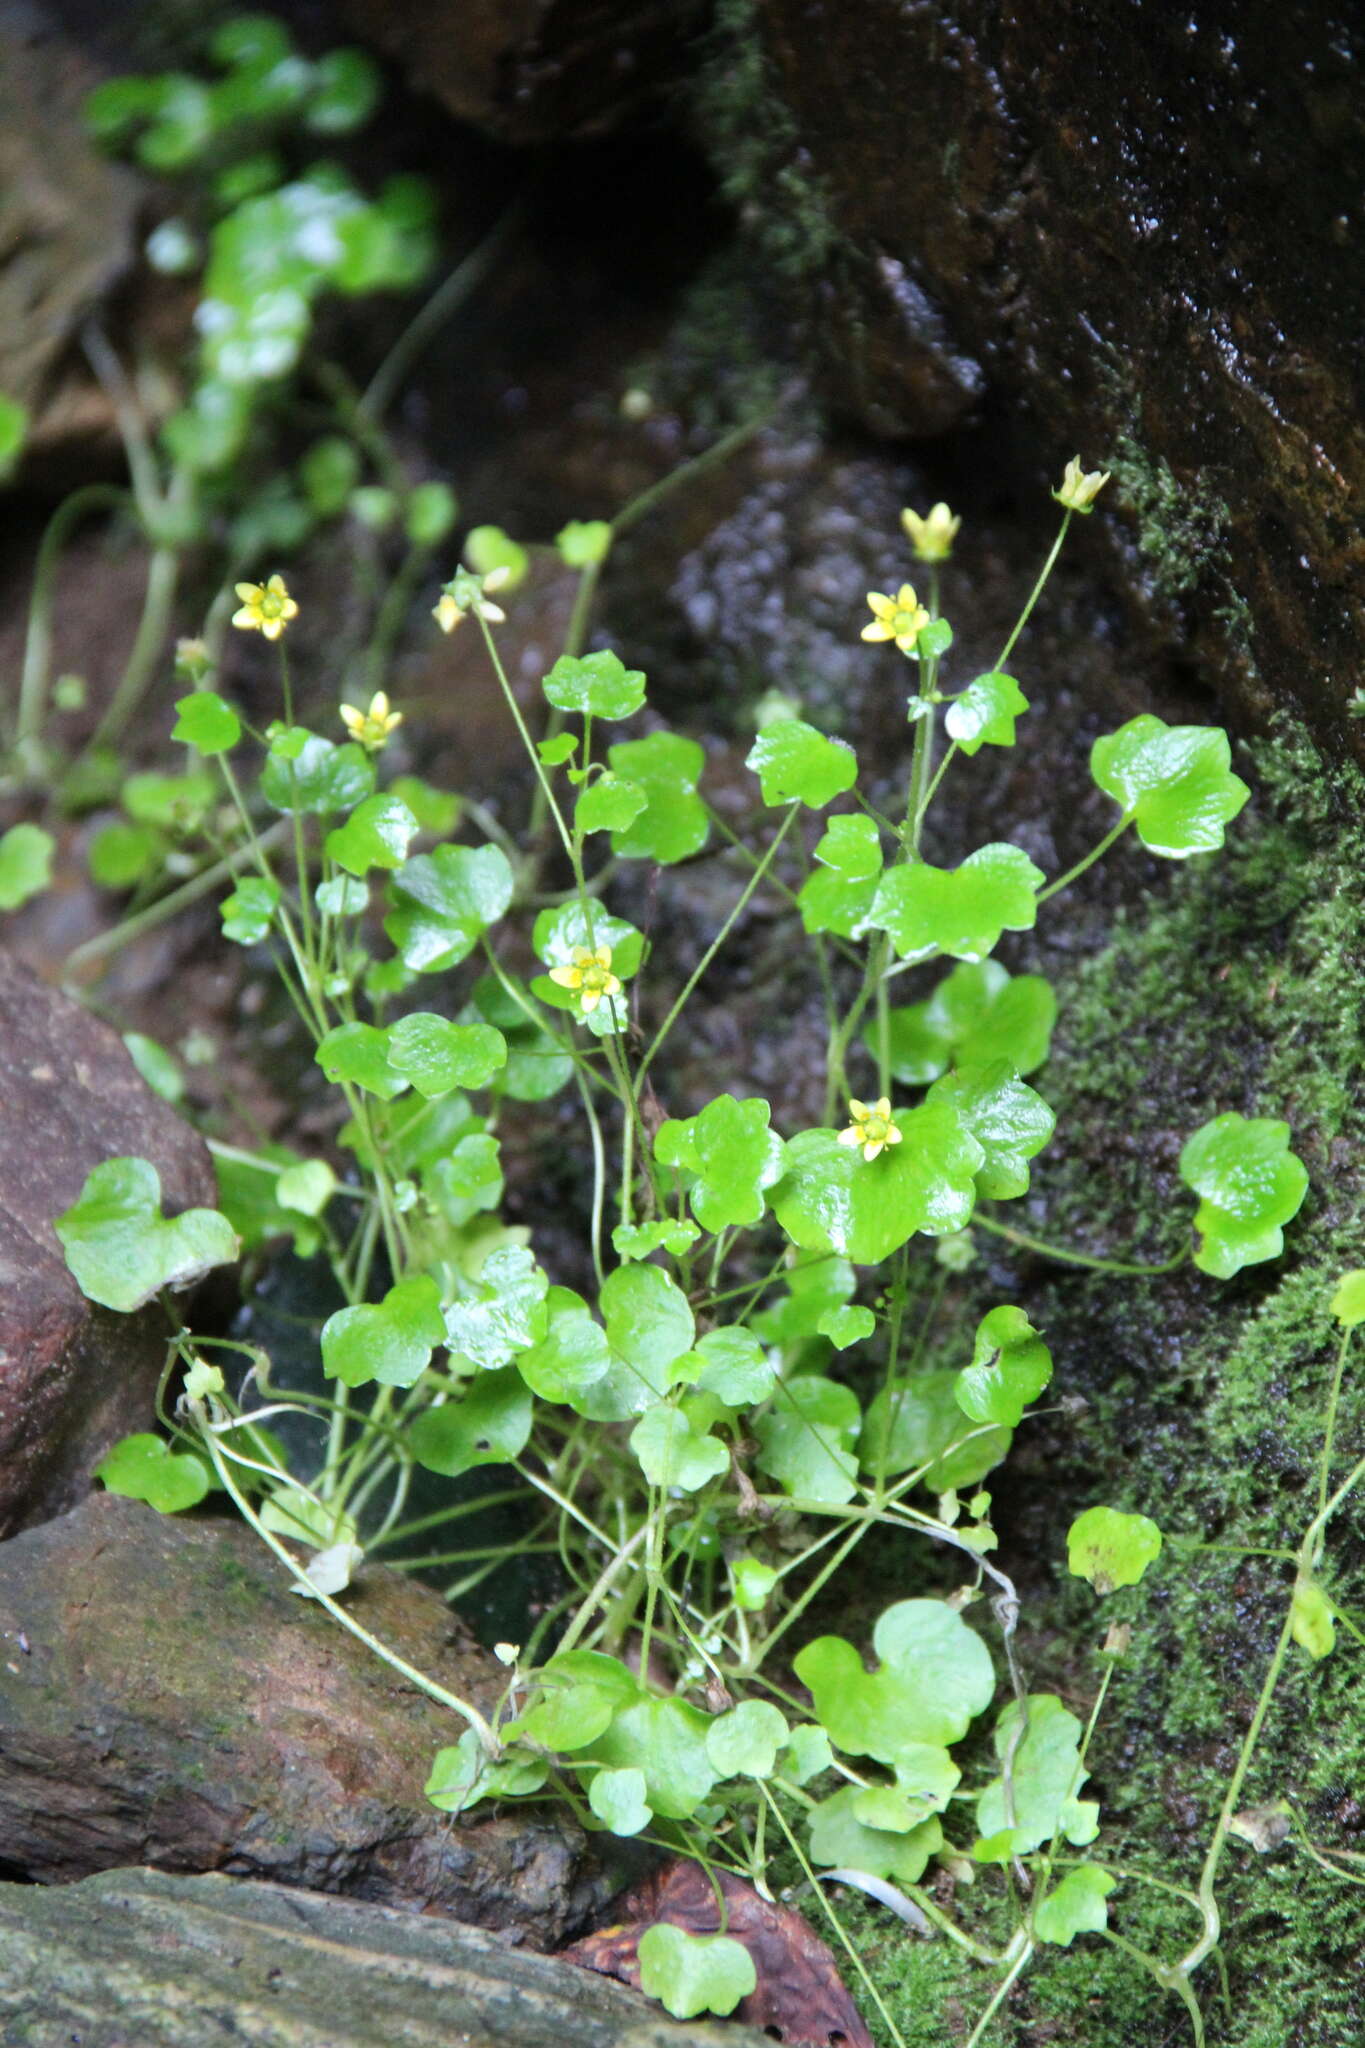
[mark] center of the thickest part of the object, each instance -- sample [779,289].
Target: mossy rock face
[1137,262]
[1235,987]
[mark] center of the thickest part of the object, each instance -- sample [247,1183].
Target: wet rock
[1148,257]
[67,219]
[165,1698]
[203,1962]
[73,1378]
[533,70]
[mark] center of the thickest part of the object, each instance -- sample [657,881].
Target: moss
[1236,986]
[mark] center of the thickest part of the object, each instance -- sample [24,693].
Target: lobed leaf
[490,1424]
[1008,1119]
[673,824]
[692,1973]
[1078,1905]
[1250,1184]
[595,685]
[984,714]
[734,1155]
[1010,1367]
[832,1199]
[375,835]
[979,1013]
[437,1056]
[207,722]
[443,902]
[390,1341]
[1175,781]
[504,1312]
[121,1248]
[962,911]
[805,1439]
[1045,1774]
[1111,1549]
[796,764]
[143,1467]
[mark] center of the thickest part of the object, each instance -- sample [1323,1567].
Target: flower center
[271,606]
[595,976]
[876,1128]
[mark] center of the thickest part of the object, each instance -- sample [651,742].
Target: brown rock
[206,1962]
[67,220]
[1138,223]
[165,1698]
[533,70]
[73,1378]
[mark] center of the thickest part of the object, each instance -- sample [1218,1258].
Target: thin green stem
[1036,591]
[33,679]
[1096,853]
[199,885]
[1002,1989]
[1069,1258]
[163,576]
[709,955]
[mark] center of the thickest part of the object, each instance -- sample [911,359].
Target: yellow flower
[266,608]
[467,593]
[901,618]
[372,727]
[1080,488]
[872,1127]
[589,975]
[932,535]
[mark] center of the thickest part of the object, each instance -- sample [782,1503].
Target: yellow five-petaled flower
[466,592]
[931,534]
[266,608]
[873,1127]
[901,618]
[589,975]
[372,727]
[1080,488]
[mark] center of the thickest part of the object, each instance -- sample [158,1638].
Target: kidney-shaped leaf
[934,1677]
[795,763]
[598,685]
[1010,1367]
[960,911]
[984,715]
[734,1155]
[121,1248]
[1174,780]
[444,901]
[832,1199]
[1009,1120]
[1250,1183]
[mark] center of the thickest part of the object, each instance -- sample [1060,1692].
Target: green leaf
[1250,1184]
[805,1439]
[249,912]
[795,763]
[437,1056]
[744,1743]
[505,1312]
[833,902]
[487,548]
[359,1053]
[608,805]
[845,1326]
[390,1341]
[207,722]
[734,1155]
[666,1739]
[832,1199]
[852,846]
[443,902]
[984,715]
[671,1451]
[1348,1303]
[1008,1119]
[595,685]
[537,1065]
[576,1698]
[175,803]
[1110,1548]
[1045,1773]
[158,1068]
[490,1424]
[304,773]
[142,1467]
[1310,1619]
[436,810]
[121,855]
[1077,1906]
[673,824]
[1174,780]
[342,897]
[838,1837]
[25,864]
[618,1800]
[935,1676]
[1010,1367]
[583,543]
[692,1973]
[807,1753]
[307,1187]
[572,1355]
[977,1014]
[961,911]
[814,1285]
[13,430]
[464,1774]
[733,1366]
[921,1424]
[468,1180]
[329,472]
[120,1247]
[637,1240]
[650,1331]
[555,752]
[375,835]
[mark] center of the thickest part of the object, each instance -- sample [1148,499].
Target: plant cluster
[705,1436]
